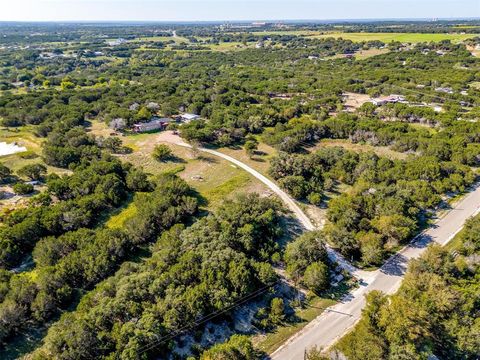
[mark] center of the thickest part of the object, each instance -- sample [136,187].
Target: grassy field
[385,37]
[177,39]
[213,178]
[230,46]
[260,161]
[401,37]
[117,219]
[291,32]
[365,54]
[22,135]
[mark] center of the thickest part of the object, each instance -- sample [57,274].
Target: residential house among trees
[153,125]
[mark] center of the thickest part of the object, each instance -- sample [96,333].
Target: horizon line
[330,20]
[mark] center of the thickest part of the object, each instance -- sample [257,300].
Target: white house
[189,117]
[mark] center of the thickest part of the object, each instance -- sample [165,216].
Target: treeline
[387,202]
[437,27]
[457,141]
[240,92]
[435,312]
[192,273]
[61,228]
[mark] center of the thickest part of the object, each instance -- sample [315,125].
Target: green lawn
[401,37]
[385,37]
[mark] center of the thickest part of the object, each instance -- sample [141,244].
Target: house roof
[190,116]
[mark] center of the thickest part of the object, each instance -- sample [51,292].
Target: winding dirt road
[287,199]
[335,321]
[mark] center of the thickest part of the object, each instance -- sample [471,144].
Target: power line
[205,319]
[212,315]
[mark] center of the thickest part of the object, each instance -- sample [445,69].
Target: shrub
[22,188]
[314,198]
[5,173]
[33,171]
[162,152]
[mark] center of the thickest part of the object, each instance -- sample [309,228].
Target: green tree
[22,188]
[277,311]
[306,249]
[5,173]
[238,347]
[33,171]
[316,277]
[66,84]
[162,152]
[250,147]
[143,114]
[371,246]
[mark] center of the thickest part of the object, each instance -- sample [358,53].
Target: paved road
[337,320]
[292,205]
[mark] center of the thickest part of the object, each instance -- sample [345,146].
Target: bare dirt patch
[353,101]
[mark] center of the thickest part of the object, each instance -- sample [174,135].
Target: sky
[210,10]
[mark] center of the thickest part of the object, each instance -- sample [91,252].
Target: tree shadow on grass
[208,159]
[257,159]
[202,201]
[177,159]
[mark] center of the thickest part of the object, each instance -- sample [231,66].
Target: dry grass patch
[365,54]
[260,161]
